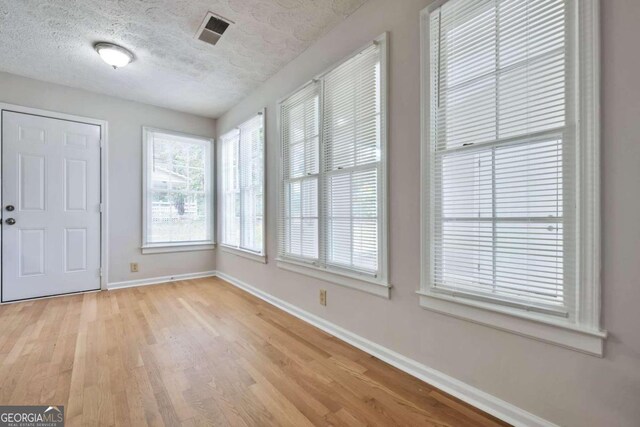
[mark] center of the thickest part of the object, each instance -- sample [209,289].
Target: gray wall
[126,119]
[560,385]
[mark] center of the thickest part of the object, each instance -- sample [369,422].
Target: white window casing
[510,167]
[332,207]
[242,189]
[177,192]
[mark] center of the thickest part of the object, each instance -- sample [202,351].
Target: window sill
[180,247]
[526,324]
[350,281]
[244,254]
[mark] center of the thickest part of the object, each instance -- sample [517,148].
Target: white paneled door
[51,206]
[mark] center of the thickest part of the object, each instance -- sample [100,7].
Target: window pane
[195,179]
[528,180]
[529,261]
[196,156]
[339,219]
[178,217]
[467,41]
[230,197]
[303,137]
[352,220]
[463,258]
[532,97]
[467,114]
[465,186]
[530,29]
[301,225]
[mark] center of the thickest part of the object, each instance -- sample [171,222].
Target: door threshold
[50,296]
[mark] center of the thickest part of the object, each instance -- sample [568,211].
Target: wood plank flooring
[202,352]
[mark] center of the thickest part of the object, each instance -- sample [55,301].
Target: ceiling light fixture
[114,55]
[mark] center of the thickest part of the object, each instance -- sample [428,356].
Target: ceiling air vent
[212,28]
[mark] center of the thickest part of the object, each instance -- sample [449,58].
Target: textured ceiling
[53,40]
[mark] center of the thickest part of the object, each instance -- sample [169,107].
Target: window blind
[502,186]
[351,154]
[333,155]
[242,198]
[300,128]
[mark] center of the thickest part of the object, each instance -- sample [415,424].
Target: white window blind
[333,151]
[242,198]
[178,195]
[300,130]
[351,162]
[502,193]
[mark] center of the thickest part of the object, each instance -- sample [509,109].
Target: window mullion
[354,110]
[494,219]
[436,224]
[572,213]
[322,177]
[494,242]
[240,191]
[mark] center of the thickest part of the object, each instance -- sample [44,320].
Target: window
[242,198]
[502,168]
[332,207]
[177,192]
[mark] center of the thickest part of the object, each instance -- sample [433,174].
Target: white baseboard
[158,280]
[471,395]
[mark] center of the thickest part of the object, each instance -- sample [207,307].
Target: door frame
[104,175]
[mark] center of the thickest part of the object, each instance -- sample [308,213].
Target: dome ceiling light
[114,55]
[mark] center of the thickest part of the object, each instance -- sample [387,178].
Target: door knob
[10,221]
[10,208]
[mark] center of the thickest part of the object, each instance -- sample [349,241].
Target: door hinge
[99,272]
[100,207]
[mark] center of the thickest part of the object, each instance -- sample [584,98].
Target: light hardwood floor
[202,352]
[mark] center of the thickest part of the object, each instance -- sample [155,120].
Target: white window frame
[378,285]
[583,333]
[237,250]
[164,247]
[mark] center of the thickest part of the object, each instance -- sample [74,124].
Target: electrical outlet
[323,297]
[134,267]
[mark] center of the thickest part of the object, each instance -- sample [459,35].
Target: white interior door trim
[104,174]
